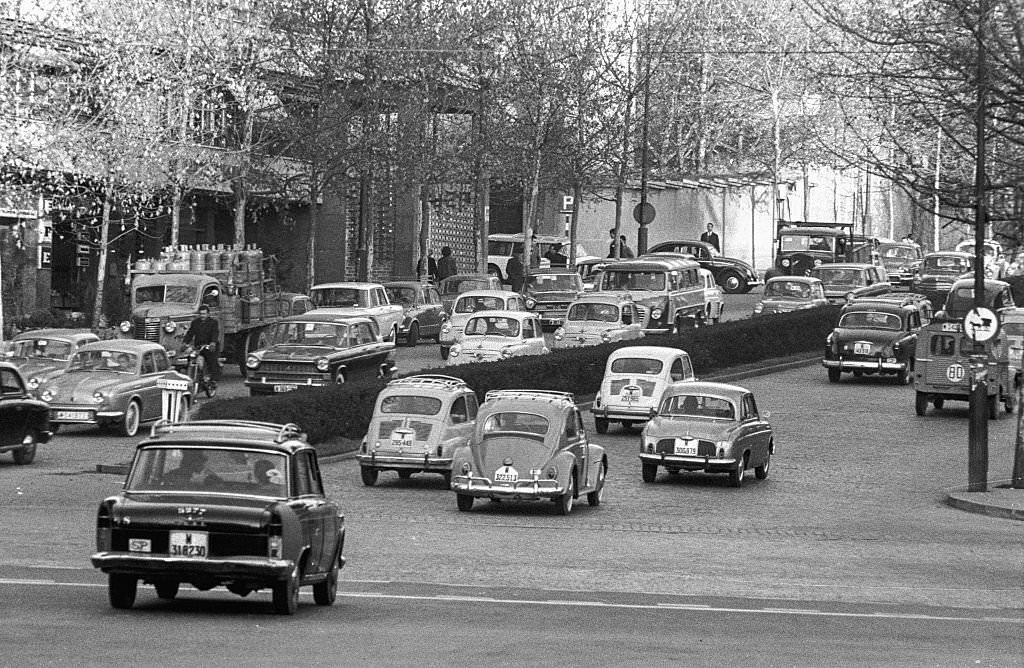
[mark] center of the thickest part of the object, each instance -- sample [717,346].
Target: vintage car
[733,274]
[801,246]
[498,335]
[211,503]
[960,298]
[901,260]
[453,286]
[468,304]
[501,247]
[529,445]
[714,303]
[417,423]
[316,349]
[918,301]
[874,336]
[589,270]
[369,299]
[634,378]
[783,294]
[938,272]
[601,317]
[24,420]
[666,287]
[424,310]
[708,427]
[995,262]
[112,383]
[42,353]
[845,281]
[549,292]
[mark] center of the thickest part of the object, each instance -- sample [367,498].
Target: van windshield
[614,279]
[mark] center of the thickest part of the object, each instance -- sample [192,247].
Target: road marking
[568,603]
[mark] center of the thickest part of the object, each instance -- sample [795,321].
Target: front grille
[146,328]
[667,446]
[305,368]
[221,544]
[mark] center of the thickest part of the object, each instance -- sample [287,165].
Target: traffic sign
[643,213]
[981,324]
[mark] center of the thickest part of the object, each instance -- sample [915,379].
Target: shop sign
[18,203]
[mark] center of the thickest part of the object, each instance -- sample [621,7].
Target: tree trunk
[101,264]
[577,197]
[424,214]
[176,196]
[241,200]
[314,223]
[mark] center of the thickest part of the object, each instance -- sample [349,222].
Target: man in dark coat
[204,330]
[446,266]
[711,237]
[515,272]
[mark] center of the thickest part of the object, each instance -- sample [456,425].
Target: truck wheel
[921,404]
[27,453]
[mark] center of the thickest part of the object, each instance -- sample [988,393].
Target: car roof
[488,293]
[123,345]
[427,381]
[406,284]
[877,305]
[518,315]
[799,279]
[663,353]
[728,390]
[553,270]
[604,298]
[267,436]
[455,277]
[360,285]
[845,265]
[989,282]
[55,333]
[328,314]
[538,401]
[676,242]
[171,278]
[828,231]
[653,262]
[949,253]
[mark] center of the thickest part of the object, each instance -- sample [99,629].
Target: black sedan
[24,421]
[733,274]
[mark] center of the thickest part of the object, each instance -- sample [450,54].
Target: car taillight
[105,526]
[275,543]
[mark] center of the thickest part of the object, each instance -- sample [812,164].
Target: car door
[754,433]
[576,442]
[148,390]
[365,353]
[435,308]
[312,510]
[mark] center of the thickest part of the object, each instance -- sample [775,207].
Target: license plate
[402,439]
[190,544]
[285,388]
[630,395]
[506,475]
[862,349]
[140,545]
[73,415]
[686,448]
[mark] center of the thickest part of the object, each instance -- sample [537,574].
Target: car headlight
[785,262]
[455,351]
[252,362]
[606,337]
[530,303]
[559,334]
[817,262]
[758,307]
[849,297]
[552,472]
[98,397]
[506,352]
[33,383]
[47,395]
[446,328]
[723,448]
[125,326]
[656,314]
[467,467]
[322,364]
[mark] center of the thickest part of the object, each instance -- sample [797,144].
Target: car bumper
[690,463]
[94,416]
[182,567]
[527,490]
[623,412]
[864,365]
[286,385]
[424,462]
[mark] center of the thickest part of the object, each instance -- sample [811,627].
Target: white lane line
[664,607]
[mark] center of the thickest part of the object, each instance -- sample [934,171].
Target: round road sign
[981,324]
[643,213]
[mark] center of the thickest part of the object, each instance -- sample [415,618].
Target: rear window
[530,423]
[413,405]
[637,365]
[229,470]
[871,320]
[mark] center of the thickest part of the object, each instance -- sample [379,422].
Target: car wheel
[339,377]
[939,403]
[167,589]
[121,590]
[601,424]
[326,592]
[903,376]
[404,474]
[565,501]
[993,407]
[369,475]
[414,335]
[648,471]
[444,352]
[733,283]
[394,335]
[447,476]
[286,594]
[627,425]
[834,375]
[132,415]
[464,502]
[594,498]
[921,404]
[761,472]
[26,454]
[737,474]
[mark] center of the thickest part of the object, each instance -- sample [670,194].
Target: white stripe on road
[684,607]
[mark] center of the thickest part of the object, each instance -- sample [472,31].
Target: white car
[468,304]
[634,379]
[369,299]
[599,318]
[714,299]
[497,335]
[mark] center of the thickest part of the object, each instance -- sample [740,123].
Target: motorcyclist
[204,331]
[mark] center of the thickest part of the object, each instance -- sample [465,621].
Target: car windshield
[461,285]
[637,365]
[795,243]
[493,326]
[495,247]
[47,349]
[556,282]
[209,469]
[871,320]
[615,279]
[522,422]
[166,294]
[787,289]
[401,295]
[946,264]
[472,304]
[410,405]
[596,312]
[830,276]
[342,297]
[899,252]
[10,383]
[104,360]
[308,334]
[698,406]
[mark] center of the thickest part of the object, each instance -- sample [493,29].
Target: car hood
[39,368]
[668,427]
[488,342]
[79,386]
[290,353]
[157,509]
[524,452]
[162,311]
[842,335]
[554,296]
[775,304]
[589,327]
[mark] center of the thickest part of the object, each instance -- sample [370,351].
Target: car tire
[464,502]
[404,474]
[594,498]
[121,590]
[444,352]
[903,376]
[939,403]
[394,335]
[761,472]
[601,424]
[326,592]
[413,337]
[733,283]
[834,375]
[339,377]
[737,475]
[447,477]
[286,593]
[369,475]
[564,502]
[26,454]
[648,471]
[167,589]
[132,417]
[921,404]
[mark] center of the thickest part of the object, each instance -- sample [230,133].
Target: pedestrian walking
[515,272]
[446,265]
[626,250]
[711,237]
[618,249]
[431,267]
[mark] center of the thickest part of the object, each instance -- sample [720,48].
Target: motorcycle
[192,364]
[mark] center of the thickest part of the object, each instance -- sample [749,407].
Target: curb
[975,502]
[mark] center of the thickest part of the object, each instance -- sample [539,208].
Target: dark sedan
[733,274]
[874,336]
[845,281]
[24,421]
[938,272]
[424,310]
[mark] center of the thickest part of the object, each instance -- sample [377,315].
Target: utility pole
[641,235]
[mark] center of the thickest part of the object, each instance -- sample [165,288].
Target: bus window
[943,344]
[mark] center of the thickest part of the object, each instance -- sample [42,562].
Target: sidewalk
[999,500]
